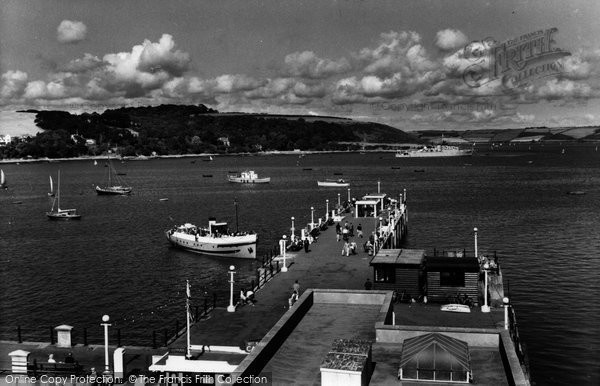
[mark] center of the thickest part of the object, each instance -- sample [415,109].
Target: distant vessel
[3,184]
[210,158]
[110,188]
[455,308]
[248,177]
[333,183]
[435,151]
[61,214]
[214,240]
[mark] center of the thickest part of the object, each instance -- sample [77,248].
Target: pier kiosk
[400,270]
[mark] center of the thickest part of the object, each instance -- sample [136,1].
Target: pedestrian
[51,358]
[346,249]
[353,247]
[296,286]
[293,299]
[306,244]
[345,234]
[359,231]
[338,236]
[368,284]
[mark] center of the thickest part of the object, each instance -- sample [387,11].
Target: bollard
[85,342]
[166,337]
[154,339]
[118,337]
[51,335]
[19,334]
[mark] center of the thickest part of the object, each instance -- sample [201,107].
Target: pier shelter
[399,269]
[449,277]
[366,208]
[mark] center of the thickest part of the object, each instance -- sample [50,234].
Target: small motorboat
[455,308]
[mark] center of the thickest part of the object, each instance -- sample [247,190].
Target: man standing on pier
[306,244]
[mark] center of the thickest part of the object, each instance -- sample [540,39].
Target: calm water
[116,260]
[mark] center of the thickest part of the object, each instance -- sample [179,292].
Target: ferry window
[452,279]
[385,274]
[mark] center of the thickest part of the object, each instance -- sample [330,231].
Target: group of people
[345,233]
[247,297]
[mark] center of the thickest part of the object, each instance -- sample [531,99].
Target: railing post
[265,276]
[85,342]
[153,338]
[19,334]
[257,278]
[252,284]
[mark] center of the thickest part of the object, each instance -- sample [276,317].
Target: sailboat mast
[236,216]
[108,163]
[58,192]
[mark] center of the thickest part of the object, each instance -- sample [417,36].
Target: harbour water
[117,261]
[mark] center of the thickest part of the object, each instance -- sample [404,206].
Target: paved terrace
[323,267]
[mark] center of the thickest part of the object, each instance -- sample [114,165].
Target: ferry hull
[243,247]
[332,184]
[113,191]
[443,153]
[250,181]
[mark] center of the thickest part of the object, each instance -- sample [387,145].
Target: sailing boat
[3,180]
[61,214]
[51,192]
[111,189]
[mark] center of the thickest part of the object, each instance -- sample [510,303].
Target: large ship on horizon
[435,151]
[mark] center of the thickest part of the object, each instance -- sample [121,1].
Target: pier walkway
[322,267]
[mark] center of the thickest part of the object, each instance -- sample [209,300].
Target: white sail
[2,179]
[51,186]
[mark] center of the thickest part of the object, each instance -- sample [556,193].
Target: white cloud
[450,39]
[70,32]
[13,84]
[307,65]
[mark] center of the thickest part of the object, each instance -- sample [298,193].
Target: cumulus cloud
[87,63]
[450,39]
[555,89]
[13,84]
[307,65]
[70,32]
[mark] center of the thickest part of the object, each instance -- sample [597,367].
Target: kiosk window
[385,274]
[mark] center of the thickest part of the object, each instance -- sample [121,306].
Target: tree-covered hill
[180,129]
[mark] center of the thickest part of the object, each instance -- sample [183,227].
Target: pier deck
[322,267]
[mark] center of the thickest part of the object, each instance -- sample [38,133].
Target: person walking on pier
[306,244]
[359,231]
[346,249]
[296,286]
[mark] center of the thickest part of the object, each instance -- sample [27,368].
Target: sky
[412,64]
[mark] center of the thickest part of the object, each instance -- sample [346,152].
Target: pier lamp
[475,232]
[231,307]
[380,225]
[349,199]
[378,187]
[283,251]
[339,202]
[506,302]
[312,217]
[485,307]
[326,210]
[105,320]
[293,229]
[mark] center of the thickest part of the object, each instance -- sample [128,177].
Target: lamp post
[349,199]
[339,201]
[380,224]
[326,210]
[293,229]
[106,319]
[485,307]
[475,232]
[283,250]
[378,187]
[505,300]
[231,307]
[312,217]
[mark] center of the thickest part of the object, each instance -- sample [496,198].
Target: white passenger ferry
[249,177]
[215,240]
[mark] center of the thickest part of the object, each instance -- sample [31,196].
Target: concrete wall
[477,337]
[514,372]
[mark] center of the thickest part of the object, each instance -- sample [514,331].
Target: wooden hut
[449,277]
[398,269]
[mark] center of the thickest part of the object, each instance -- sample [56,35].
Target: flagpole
[187,317]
